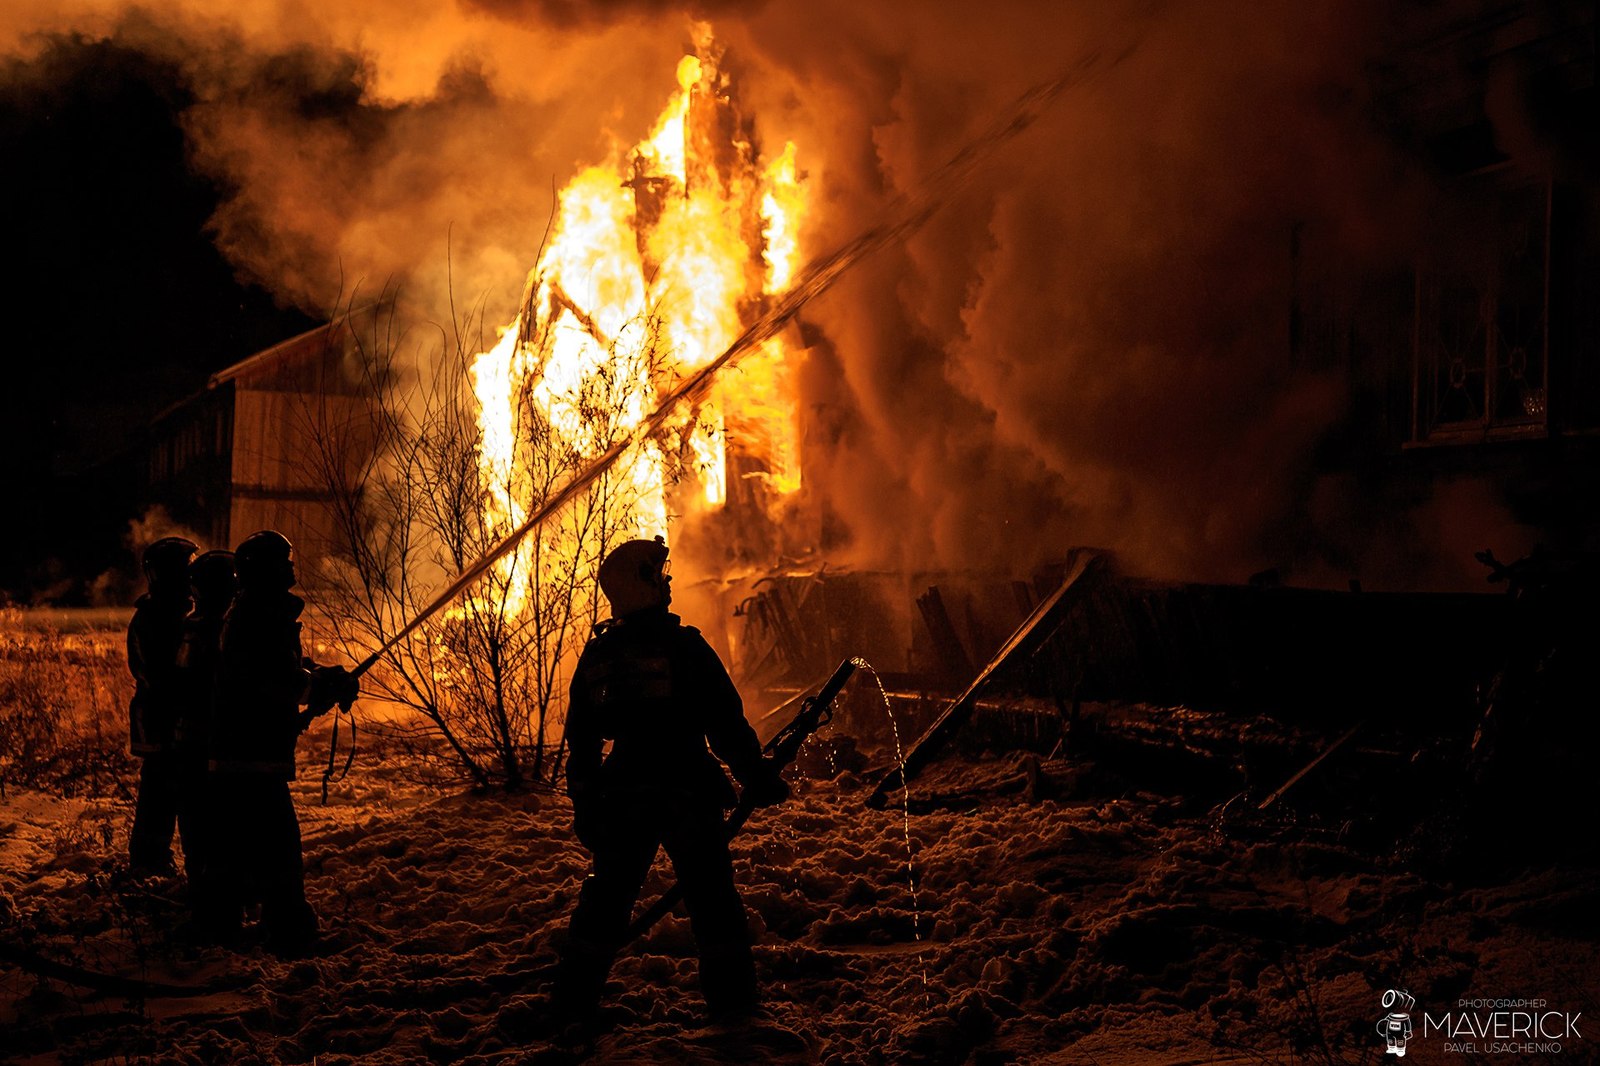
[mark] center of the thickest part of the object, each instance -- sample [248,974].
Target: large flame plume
[655,260]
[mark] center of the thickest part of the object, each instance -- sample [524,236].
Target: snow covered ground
[1039,922]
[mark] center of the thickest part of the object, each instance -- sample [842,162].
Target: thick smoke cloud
[1091,346]
[371,146]
[1088,346]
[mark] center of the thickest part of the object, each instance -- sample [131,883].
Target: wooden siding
[291,454]
[248,452]
[188,465]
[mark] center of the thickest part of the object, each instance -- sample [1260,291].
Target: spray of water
[905,817]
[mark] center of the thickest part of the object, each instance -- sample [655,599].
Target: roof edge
[268,356]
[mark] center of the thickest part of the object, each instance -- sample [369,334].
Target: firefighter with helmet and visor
[263,680]
[657,690]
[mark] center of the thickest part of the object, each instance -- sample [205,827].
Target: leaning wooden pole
[1312,765]
[1026,640]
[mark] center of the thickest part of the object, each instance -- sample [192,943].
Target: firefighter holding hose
[659,693]
[262,682]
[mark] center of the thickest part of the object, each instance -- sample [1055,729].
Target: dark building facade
[270,442]
[1472,355]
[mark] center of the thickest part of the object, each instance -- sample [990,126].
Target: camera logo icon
[1395,1025]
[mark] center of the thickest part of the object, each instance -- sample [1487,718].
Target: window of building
[1481,348]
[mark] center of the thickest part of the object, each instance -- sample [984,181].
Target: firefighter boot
[580,981]
[728,980]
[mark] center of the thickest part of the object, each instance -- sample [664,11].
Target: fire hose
[342,707]
[333,750]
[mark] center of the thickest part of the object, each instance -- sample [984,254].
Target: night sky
[119,302]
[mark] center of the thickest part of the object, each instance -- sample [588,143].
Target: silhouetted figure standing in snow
[153,636]
[263,680]
[212,582]
[657,690]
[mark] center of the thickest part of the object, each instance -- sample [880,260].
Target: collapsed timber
[1378,714]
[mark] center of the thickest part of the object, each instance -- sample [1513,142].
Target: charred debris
[1412,721]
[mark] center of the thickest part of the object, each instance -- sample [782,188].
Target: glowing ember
[653,262]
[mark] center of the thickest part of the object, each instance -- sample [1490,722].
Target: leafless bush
[414,505]
[65,700]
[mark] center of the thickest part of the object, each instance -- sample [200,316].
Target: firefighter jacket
[261,683]
[199,656]
[153,636]
[657,690]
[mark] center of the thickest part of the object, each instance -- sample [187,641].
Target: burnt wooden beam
[1035,629]
[952,654]
[1310,766]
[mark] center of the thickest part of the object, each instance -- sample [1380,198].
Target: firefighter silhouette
[658,691]
[213,582]
[153,637]
[262,682]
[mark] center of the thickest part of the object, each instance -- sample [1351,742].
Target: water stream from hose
[905,821]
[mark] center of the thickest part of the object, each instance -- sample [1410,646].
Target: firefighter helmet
[634,576]
[265,558]
[212,576]
[167,560]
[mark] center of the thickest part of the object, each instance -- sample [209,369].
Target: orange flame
[652,264]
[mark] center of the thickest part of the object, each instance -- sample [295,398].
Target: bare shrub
[413,506]
[65,699]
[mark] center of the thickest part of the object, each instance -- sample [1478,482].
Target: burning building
[1458,358]
[1466,363]
[656,260]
